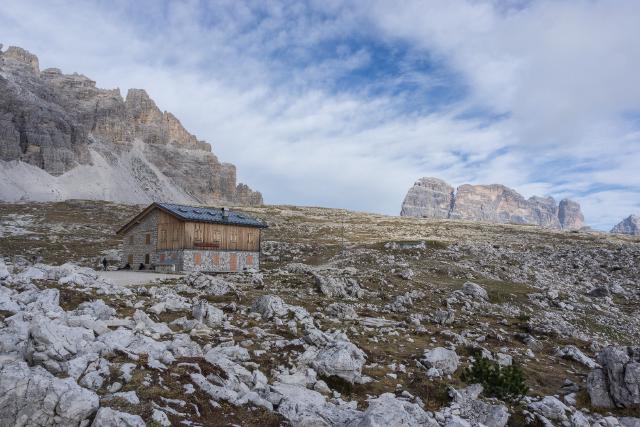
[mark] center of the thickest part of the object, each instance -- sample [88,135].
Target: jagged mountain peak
[57,125]
[630,225]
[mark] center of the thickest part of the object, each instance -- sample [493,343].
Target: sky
[347,103]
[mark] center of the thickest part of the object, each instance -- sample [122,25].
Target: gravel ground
[134,278]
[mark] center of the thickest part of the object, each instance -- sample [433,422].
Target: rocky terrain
[434,198]
[61,137]
[630,225]
[355,320]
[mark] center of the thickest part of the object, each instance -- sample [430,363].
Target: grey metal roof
[214,215]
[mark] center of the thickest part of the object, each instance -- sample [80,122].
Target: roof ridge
[211,214]
[189,206]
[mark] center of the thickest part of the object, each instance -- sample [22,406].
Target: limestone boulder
[475,291]
[388,410]
[33,396]
[442,360]
[617,382]
[107,417]
[333,354]
[208,314]
[270,306]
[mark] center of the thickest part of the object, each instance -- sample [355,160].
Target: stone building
[170,237]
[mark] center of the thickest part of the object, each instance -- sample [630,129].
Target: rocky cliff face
[570,215]
[434,198]
[630,225]
[61,128]
[429,197]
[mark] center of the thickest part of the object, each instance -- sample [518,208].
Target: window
[234,236]
[251,239]
[216,237]
[147,239]
[198,233]
[146,258]
[163,236]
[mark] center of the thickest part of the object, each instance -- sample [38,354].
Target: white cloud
[257,81]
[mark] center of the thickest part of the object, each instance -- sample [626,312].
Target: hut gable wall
[140,240]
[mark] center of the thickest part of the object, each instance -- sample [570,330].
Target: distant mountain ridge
[61,138]
[630,225]
[434,198]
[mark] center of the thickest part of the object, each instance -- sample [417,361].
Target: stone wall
[134,242]
[170,257]
[219,261]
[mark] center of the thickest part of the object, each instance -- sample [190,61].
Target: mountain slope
[61,137]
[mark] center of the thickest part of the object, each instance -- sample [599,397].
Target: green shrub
[505,383]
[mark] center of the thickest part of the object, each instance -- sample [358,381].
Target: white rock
[126,371]
[474,290]
[334,355]
[618,381]
[95,374]
[387,410]
[140,317]
[444,360]
[160,418]
[322,387]
[478,412]
[270,306]
[210,284]
[337,286]
[341,311]
[7,303]
[32,396]
[572,352]
[208,314]
[4,271]
[578,419]
[107,417]
[235,353]
[128,396]
[550,408]
[304,407]
[53,340]
[158,308]
[504,359]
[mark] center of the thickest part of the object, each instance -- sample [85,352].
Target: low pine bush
[504,382]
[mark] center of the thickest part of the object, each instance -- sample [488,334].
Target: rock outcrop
[434,198]
[630,225]
[617,382]
[570,215]
[62,137]
[430,198]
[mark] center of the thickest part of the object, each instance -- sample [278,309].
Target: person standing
[104,264]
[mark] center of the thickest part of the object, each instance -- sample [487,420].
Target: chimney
[225,213]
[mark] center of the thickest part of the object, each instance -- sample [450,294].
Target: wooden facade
[175,234]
